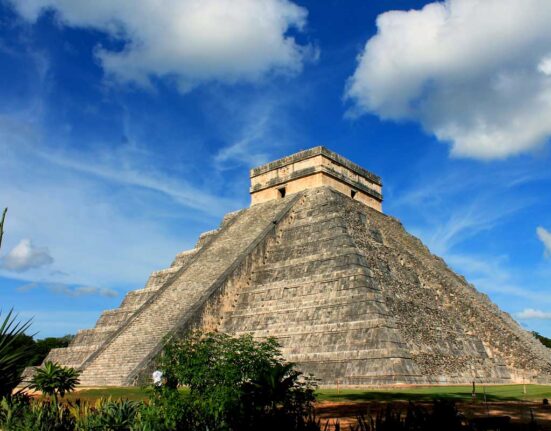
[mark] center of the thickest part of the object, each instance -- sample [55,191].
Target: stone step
[309,230]
[114,317]
[321,328]
[92,336]
[306,291]
[292,251]
[183,258]
[309,239]
[159,278]
[348,355]
[205,237]
[322,256]
[276,320]
[135,298]
[293,347]
[319,300]
[326,266]
[338,276]
[72,356]
[313,309]
[313,293]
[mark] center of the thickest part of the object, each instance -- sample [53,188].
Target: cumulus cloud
[530,313]
[475,73]
[25,256]
[545,237]
[190,41]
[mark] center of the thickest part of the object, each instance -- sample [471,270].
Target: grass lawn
[427,393]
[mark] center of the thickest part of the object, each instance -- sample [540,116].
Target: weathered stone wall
[454,333]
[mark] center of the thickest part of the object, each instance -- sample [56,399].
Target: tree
[238,383]
[53,379]
[13,355]
[2,225]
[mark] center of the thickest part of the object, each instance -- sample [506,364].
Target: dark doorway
[352,193]
[281,192]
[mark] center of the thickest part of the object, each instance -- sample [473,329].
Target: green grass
[459,393]
[427,393]
[133,393]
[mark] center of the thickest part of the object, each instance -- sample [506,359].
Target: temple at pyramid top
[311,168]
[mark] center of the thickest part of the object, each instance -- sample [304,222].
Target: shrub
[37,415]
[13,355]
[237,383]
[105,415]
[53,379]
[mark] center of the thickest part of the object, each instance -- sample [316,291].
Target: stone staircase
[88,341]
[315,294]
[119,360]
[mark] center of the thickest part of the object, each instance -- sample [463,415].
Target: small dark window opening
[281,192]
[352,193]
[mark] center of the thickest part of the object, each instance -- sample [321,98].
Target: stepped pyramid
[351,296]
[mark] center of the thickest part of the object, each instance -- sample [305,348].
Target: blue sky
[127,129]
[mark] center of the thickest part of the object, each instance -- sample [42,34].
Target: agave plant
[13,355]
[53,379]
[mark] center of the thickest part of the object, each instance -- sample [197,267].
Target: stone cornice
[314,170]
[312,152]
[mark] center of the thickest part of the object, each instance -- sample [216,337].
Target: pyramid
[350,295]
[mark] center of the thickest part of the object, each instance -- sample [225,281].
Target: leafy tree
[53,379]
[13,356]
[238,383]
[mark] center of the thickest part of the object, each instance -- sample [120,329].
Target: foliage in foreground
[54,380]
[12,356]
[236,383]
[21,413]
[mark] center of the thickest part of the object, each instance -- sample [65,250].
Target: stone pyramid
[351,296]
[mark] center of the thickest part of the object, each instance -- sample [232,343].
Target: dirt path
[520,412]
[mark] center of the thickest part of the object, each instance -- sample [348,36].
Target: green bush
[20,414]
[53,379]
[237,383]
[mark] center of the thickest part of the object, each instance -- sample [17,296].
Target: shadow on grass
[397,396]
[492,394]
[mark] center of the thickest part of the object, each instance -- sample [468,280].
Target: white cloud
[475,73]
[24,256]
[190,41]
[79,291]
[67,290]
[530,313]
[545,237]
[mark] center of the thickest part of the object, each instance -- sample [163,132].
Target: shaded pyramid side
[455,334]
